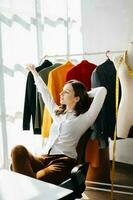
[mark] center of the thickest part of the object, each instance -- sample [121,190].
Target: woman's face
[67,96]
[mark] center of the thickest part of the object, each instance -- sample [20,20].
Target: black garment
[30,100]
[105,75]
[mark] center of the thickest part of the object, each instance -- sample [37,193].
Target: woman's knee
[19,151]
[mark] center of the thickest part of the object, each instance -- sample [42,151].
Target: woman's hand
[31,68]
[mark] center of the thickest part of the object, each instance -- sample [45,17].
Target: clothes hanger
[107,54]
[42,60]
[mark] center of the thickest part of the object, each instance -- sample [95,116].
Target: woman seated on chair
[70,120]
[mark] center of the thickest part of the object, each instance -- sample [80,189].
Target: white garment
[67,128]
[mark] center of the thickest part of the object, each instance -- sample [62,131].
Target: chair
[76,182]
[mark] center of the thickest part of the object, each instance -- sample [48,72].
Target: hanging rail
[82,54]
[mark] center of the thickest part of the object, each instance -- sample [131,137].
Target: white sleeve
[98,94]
[43,89]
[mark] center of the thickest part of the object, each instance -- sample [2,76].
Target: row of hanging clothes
[55,75]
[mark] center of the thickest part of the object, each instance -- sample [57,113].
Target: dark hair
[83,104]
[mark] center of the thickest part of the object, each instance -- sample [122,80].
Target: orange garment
[56,81]
[92,153]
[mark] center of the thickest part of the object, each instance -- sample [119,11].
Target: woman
[70,120]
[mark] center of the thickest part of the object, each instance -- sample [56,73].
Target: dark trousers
[50,168]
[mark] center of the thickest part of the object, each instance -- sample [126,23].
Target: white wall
[108,25]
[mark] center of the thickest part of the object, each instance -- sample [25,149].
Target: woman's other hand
[31,68]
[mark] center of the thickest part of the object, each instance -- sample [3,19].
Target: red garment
[82,72]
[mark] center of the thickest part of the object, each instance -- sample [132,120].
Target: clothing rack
[83,54]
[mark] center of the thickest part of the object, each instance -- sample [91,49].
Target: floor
[122,190]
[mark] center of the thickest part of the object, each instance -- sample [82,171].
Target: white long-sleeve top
[67,128]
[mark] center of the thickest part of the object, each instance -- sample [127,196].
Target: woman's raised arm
[43,89]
